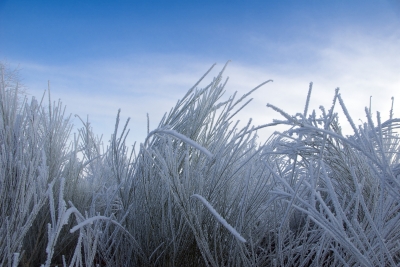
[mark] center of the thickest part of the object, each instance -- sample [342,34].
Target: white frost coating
[219,218]
[15,260]
[184,139]
[87,221]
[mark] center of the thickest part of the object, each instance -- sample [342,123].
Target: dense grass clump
[199,191]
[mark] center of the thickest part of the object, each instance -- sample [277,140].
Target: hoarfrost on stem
[219,218]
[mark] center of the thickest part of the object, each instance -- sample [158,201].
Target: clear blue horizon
[142,56]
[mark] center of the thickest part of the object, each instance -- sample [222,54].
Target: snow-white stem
[219,218]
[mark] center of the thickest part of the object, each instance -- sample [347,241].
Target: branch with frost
[219,218]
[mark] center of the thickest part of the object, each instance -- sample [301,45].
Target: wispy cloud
[100,88]
[361,65]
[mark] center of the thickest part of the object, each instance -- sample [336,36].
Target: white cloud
[361,65]
[99,89]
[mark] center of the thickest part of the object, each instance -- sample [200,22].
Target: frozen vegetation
[199,191]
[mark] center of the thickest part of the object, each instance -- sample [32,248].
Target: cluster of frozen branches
[199,191]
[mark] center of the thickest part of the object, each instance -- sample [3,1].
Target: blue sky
[142,56]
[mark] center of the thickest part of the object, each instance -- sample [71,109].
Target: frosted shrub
[198,191]
[344,190]
[23,173]
[35,157]
[194,151]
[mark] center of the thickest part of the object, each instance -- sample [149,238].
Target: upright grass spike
[245,96]
[391,109]
[308,100]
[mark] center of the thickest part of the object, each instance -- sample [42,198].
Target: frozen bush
[344,187]
[199,191]
[35,156]
[194,150]
[23,170]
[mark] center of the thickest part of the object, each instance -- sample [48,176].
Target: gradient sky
[142,56]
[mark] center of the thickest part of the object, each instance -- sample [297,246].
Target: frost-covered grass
[199,191]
